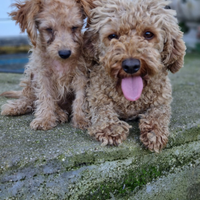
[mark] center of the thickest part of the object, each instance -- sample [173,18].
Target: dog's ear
[90,38]
[174,47]
[86,5]
[174,52]
[90,45]
[25,15]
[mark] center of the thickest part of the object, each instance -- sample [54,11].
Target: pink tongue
[132,87]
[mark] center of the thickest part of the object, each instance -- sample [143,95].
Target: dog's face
[137,38]
[55,24]
[59,25]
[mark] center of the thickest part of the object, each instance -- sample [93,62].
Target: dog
[56,73]
[132,45]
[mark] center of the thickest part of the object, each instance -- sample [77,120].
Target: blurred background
[188,14]
[14,45]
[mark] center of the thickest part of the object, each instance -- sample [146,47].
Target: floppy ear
[174,48]
[87,5]
[90,46]
[25,15]
[90,38]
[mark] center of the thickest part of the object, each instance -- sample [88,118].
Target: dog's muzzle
[131,65]
[64,54]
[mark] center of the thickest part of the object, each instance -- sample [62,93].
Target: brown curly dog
[56,70]
[134,44]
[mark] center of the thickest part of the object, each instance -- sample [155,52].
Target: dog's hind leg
[12,94]
[17,107]
[24,103]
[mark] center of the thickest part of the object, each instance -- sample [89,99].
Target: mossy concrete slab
[66,163]
[182,184]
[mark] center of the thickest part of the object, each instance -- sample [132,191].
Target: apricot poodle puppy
[134,44]
[56,71]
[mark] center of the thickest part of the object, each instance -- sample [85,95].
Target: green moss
[184,136]
[133,180]
[140,178]
[142,171]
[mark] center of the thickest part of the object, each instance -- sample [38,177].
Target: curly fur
[165,51]
[51,82]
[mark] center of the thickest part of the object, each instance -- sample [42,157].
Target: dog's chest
[154,94]
[59,68]
[128,109]
[103,91]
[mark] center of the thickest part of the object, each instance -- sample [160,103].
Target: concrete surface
[66,163]
[183,184]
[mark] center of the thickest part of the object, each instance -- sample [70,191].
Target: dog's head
[135,39]
[53,24]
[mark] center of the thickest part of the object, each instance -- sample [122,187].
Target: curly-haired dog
[135,44]
[56,68]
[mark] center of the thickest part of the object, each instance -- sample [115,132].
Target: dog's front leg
[79,119]
[46,104]
[154,127]
[106,126]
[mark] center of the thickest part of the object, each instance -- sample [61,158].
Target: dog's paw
[112,134]
[80,122]
[7,110]
[43,124]
[14,109]
[62,116]
[154,141]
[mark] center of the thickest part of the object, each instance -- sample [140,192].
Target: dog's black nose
[64,54]
[131,65]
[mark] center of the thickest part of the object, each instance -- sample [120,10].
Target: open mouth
[132,87]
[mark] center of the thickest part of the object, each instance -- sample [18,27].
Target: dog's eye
[113,36]
[74,28]
[49,30]
[148,35]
